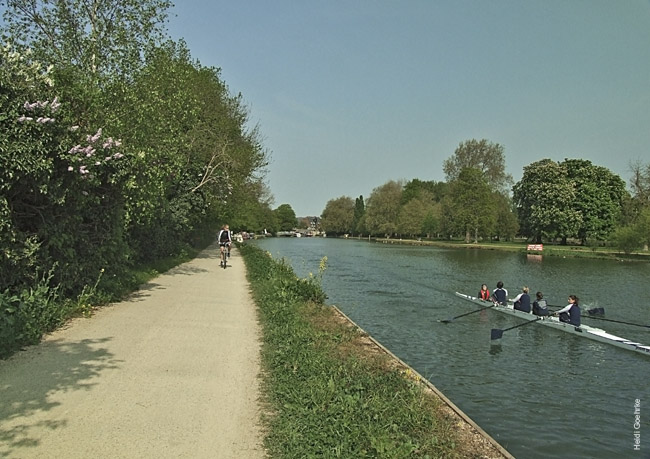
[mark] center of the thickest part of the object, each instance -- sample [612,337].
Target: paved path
[171,372]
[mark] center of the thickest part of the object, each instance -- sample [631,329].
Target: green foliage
[285,217]
[338,216]
[382,209]
[544,199]
[569,199]
[26,316]
[326,402]
[104,37]
[627,239]
[470,206]
[485,156]
[358,221]
[122,152]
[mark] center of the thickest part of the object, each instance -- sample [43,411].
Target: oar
[599,311]
[497,333]
[618,321]
[446,321]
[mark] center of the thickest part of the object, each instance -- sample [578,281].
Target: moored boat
[585,331]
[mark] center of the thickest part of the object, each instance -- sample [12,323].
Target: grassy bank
[328,396]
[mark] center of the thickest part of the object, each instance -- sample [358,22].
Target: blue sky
[351,94]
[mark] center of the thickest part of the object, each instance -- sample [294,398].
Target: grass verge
[326,396]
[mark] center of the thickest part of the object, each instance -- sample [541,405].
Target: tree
[286,217]
[359,212]
[483,155]
[506,224]
[599,198]
[382,209]
[640,183]
[544,199]
[338,216]
[98,37]
[470,207]
[414,214]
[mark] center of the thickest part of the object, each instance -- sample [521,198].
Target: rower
[571,312]
[500,294]
[540,307]
[484,294]
[522,301]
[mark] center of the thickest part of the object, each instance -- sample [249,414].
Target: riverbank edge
[549,250]
[475,429]
[329,386]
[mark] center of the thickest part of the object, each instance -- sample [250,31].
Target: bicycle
[224,255]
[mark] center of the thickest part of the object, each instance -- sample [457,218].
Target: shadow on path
[30,378]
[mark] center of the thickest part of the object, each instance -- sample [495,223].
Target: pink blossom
[83,170]
[118,155]
[70,168]
[55,104]
[74,128]
[95,138]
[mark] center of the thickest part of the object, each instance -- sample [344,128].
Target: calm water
[541,393]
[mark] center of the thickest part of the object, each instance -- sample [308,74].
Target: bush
[26,316]
[627,239]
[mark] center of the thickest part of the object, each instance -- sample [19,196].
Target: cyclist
[225,239]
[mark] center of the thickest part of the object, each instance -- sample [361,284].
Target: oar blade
[496,333]
[596,311]
[446,321]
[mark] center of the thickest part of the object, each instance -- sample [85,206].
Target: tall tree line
[554,201]
[116,147]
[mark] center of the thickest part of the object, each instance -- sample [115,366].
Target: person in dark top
[484,294]
[539,305]
[225,239]
[571,312]
[522,301]
[500,294]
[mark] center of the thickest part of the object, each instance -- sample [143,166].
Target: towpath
[171,372]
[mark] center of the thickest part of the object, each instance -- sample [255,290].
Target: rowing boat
[585,331]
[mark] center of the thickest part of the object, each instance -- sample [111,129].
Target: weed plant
[327,397]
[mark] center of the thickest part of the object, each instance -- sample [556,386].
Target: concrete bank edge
[433,388]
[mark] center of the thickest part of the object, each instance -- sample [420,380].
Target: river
[541,393]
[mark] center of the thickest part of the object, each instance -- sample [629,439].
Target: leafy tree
[414,189]
[507,226]
[470,207]
[483,155]
[285,217]
[98,37]
[338,216]
[382,209]
[627,239]
[599,197]
[544,199]
[359,212]
[431,222]
[415,212]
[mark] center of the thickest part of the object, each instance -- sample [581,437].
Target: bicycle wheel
[223,258]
